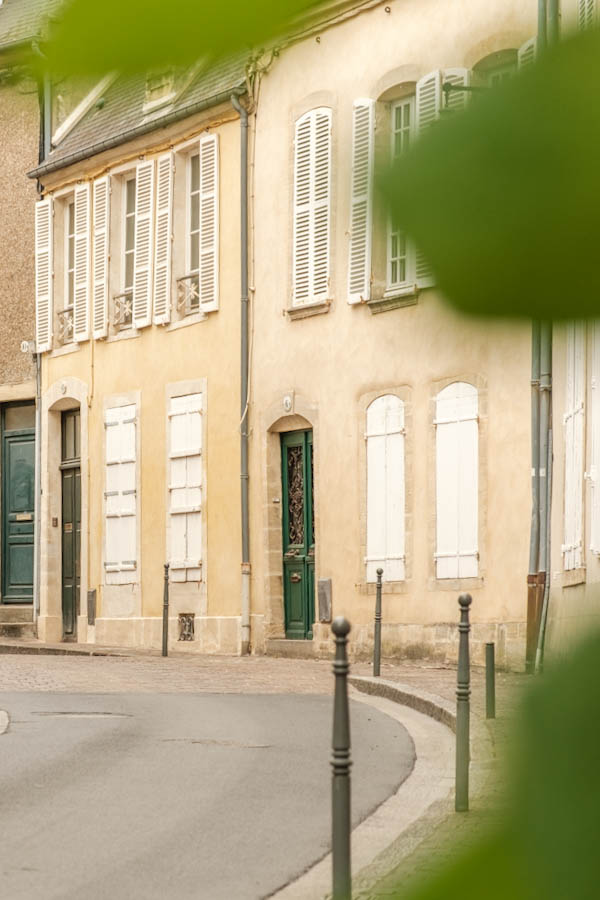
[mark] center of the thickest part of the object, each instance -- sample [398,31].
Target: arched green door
[298,534]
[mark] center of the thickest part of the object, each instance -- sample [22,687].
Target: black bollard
[165,632]
[340,764]
[463,693]
[377,635]
[490,682]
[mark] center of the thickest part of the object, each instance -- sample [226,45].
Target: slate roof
[122,109]
[23,20]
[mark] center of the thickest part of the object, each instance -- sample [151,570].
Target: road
[181,795]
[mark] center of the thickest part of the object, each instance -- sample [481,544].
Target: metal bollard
[377,635]
[463,693]
[165,631]
[340,764]
[490,682]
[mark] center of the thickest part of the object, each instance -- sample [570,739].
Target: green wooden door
[18,500]
[298,534]
[71,522]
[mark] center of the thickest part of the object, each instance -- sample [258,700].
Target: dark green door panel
[71,523]
[18,463]
[298,534]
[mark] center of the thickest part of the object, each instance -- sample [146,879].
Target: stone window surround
[459,584]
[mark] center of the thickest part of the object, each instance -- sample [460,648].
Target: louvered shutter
[101,239]
[587,13]
[594,473]
[144,222]
[162,240]
[120,495]
[359,266]
[527,53]
[312,200]
[574,419]
[81,311]
[209,222]
[457,482]
[428,105]
[185,487]
[458,100]
[43,275]
[385,489]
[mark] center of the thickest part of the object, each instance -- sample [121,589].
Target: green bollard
[463,693]
[490,682]
[165,631]
[377,633]
[340,764]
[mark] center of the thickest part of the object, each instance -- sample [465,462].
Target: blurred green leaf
[548,845]
[504,199]
[139,35]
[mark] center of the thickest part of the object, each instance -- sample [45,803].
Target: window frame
[393,287]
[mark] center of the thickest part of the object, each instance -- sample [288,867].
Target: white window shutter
[144,222]
[209,222]
[43,274]
[101,243]
[527,53]
[81,311]
[587,14]
[457,100]
[121,495]
[594,473]
[162,240]
[428,106]
[457,482]
[359,265]
[574,421]
[385,489]
[185,487]
[312,201]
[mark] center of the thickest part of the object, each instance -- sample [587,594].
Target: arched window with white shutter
[457,481]
[385,489]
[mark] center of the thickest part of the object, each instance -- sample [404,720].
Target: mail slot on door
[68,527]
[24,517]
[295,577]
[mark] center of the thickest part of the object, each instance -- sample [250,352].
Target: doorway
[70,467]
[18,502]
[298,534]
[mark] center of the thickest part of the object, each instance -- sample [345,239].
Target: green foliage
[141,35]
[504,199]
[547,847]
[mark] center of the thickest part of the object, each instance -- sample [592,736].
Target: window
[185,487]
[312,199]
[594,473]
[574,419]
[586,14]
[194,233]
[65,315]
[457,481]
[120,495]
[124,300]
[385,489]
[500,74]
[400,253]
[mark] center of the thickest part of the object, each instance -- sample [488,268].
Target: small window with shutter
[586,14]
[457,481]
[401,253]
[122,301]
[120,496]
[185,487]
[312,208]
[385,489]
[574,436]
[65,315]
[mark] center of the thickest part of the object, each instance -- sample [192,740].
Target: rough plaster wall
[19,124]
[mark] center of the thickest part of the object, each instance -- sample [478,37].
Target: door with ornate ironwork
[298,534]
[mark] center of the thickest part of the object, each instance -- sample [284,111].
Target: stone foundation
[220,635]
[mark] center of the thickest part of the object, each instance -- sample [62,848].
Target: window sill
[64,350]
[192,319]
[456,584]
[310,309]
[571,577]
[395,298]
[369,588]
[124,335]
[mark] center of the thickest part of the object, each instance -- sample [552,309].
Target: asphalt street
[177,795]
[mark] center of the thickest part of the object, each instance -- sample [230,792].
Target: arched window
[457,481]
[385,489]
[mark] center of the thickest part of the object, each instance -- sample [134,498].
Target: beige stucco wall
[332,362]
[19,127]
[143,368]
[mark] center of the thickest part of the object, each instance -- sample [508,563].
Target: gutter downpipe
[546,388]
[244,475]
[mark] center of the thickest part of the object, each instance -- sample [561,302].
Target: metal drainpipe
[545,460]
[244,475]
[534,540]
